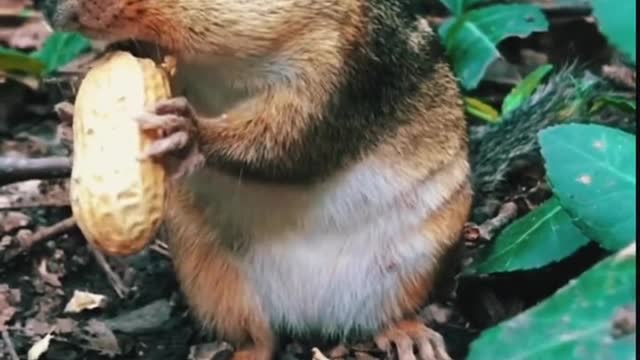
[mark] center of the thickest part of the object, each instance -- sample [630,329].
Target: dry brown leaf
[101,338]
[11,221]
[30,36]
[83,300]
[209,351]
[34,193]
[318,355]
[35,327]
[7,310]
[65,325]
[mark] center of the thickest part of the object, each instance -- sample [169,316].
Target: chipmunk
[320,161]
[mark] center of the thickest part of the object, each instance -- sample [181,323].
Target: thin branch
[508,212]
[26,243]
[114,279]
[16,169]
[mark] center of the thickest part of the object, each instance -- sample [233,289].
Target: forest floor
[131,308]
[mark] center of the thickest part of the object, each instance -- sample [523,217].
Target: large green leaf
[592,170]
[12,60]
[574,323]
[471,39]
[60,48]
[543,236]
[617,21]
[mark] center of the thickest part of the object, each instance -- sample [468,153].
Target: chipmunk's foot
[413,340]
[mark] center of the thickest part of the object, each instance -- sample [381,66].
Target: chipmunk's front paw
[177,147]
[410,334]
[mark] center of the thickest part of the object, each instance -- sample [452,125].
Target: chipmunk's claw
[177,147]
[410,334]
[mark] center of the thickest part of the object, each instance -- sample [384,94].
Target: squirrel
[320,161]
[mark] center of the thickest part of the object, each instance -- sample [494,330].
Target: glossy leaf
[617,21]
[60,48]
[543,236]
[575,323]
[16,61]
[471,39]
[592,170]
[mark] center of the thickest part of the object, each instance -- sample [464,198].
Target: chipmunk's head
[227,27]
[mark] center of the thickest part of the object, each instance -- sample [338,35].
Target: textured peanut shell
[117,199]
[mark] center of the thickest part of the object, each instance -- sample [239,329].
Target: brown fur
[445,227]
[211,281]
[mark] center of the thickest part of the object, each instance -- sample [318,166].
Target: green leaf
[618,101]
[525,88]
[482,110]
[592,170]
[16,61]
[543,236]
[574,323]
[60,48]
[471,39]
[617,21]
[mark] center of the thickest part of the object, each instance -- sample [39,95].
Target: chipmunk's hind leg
[411,337]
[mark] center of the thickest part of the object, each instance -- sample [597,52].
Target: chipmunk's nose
[61,14]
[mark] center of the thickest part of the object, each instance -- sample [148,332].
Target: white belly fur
[329,257]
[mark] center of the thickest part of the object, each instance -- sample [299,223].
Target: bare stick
[161,249]
[9,343]
[46,233]
[114,279]
[507,213]
[17,169]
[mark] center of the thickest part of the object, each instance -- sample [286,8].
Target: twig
[9,344]
[46,233]
[485,231]
[114,279]
[15,169]
[161,248]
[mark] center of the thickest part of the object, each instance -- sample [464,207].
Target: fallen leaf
[437,313]
[39,348]
[65,325]
[318,355]
[9,298]
[83,300]
[11,221]
[101,338]
[35,327]
[210,351]
[144,319]
[30,36]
